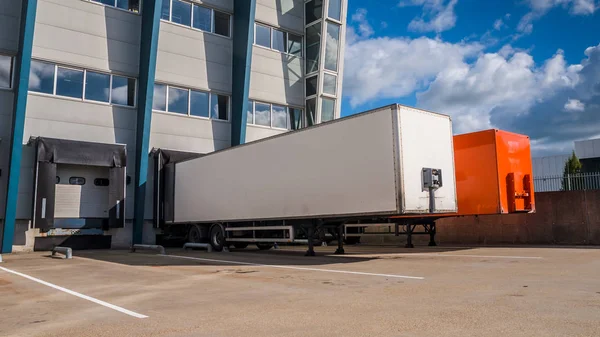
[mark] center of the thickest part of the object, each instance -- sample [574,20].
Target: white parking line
[476,256]
[296,268]
[74,293]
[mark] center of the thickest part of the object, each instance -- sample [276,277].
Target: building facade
[97,95]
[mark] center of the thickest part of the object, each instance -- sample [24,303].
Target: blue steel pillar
[243,37]
[148,49]
[21,85]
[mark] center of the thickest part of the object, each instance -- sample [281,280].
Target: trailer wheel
[217,237]
[195,234]
[240,245]
[264,246]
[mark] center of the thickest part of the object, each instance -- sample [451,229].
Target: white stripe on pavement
[296,268]
[74,293]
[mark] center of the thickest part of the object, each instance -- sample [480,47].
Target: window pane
[202,18]
[296,120]
[182,13]
[41,77]
[199,104]
[263,114]
[279,40]
[311,111]
[222,107]
[263,36]
[218,107]
[178,100]
[331,49]
[164,12]
[335,9]
[250,113]
[160,97]
[130,5]
[69,83]
[327,109]
[295,44]
[279,117]
[222,23]
[314,10]
[311,86]
[5,71]
[329,84]
[97,86]
[313,47]
[106,2]
[123,91]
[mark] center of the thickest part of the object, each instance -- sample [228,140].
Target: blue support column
[21,85]
[243,37]
[148,50]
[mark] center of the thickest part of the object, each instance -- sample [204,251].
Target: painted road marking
[296,268]
[74,293]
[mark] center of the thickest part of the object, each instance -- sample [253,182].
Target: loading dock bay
[370,291]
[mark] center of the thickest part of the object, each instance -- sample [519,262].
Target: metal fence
[569,182]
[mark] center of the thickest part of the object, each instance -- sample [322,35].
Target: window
[335,9]
[327,109]
[222,23]
[101,182]
[41,77]
[178,100]
[190,102]
[196,16]
[262,114]
[250,113]
[160,97]
[313,47]
[279,40]
[329,84]
[311,111]
[275,116]
[263,36]
[181,12]
[6,66]
[331,48]
[294,44]
[69,82]
[311,86]
[77,181]
[129,5]
[199,104]
[202,18]
[219,106]
[296,120]
[280,118]
[313,10]
[123,90]
[97,87]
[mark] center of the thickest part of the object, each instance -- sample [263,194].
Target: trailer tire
[240,245]
[217,237]
[195,234]
[264,246]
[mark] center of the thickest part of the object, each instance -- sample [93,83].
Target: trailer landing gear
[432,233]
[311,244]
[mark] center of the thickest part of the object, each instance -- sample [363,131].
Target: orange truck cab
[493,173]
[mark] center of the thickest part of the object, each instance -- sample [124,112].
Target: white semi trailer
[389,165]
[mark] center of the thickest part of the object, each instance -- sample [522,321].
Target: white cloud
[359,18]
[498,24]
[396,67]
[574,105]
[438,15]
[540,7]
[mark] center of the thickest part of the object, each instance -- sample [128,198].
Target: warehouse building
[97,96]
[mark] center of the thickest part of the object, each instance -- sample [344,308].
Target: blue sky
[528,66]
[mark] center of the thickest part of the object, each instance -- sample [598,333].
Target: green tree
[571,178]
